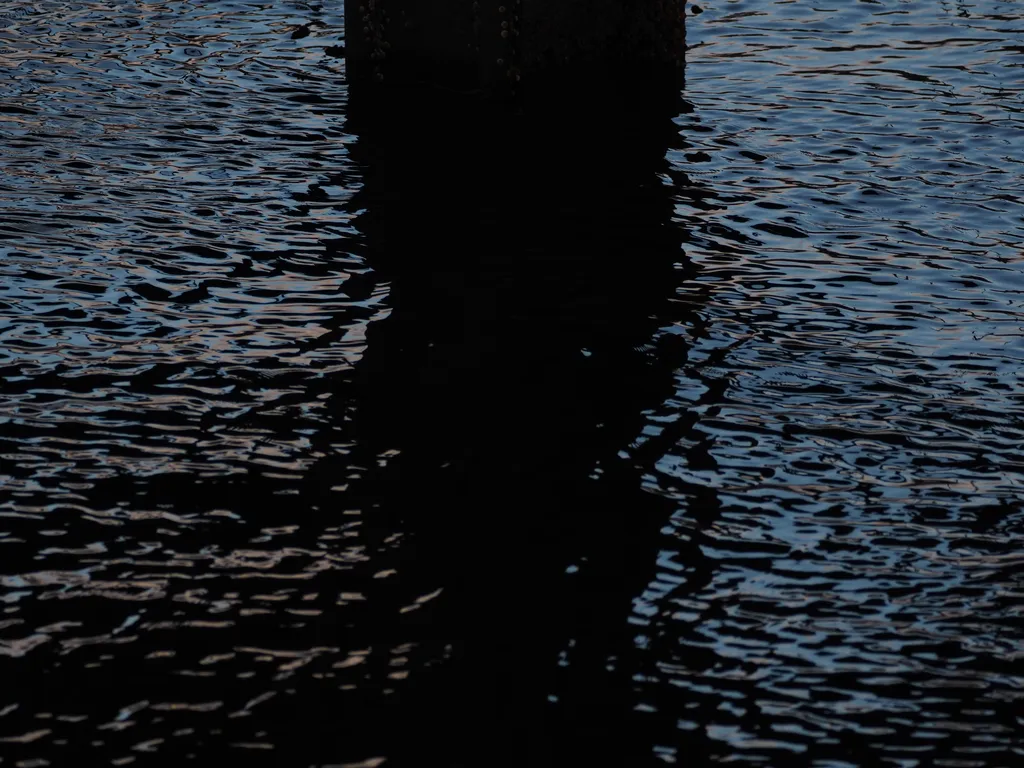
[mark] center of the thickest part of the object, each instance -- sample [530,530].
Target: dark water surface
[602,434]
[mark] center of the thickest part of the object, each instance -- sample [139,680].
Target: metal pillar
[493,45]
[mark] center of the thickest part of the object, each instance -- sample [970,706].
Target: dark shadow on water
[488,465]
[531,260]
[489,452]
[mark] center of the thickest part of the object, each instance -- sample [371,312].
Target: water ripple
[846,583]
[187,279]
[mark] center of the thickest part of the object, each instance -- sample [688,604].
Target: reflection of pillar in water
[531,259]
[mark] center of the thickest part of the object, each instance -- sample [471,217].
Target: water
[335,434]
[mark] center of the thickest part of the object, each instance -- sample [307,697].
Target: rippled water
[331,437]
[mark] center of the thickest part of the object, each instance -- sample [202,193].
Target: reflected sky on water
[721,408]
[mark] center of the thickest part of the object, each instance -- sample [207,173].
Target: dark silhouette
[531,258]
[493,45]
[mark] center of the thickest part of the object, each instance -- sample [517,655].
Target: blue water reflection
[849,581]
[815,404]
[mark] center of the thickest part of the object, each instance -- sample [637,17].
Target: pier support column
[492,45]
